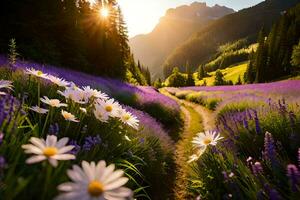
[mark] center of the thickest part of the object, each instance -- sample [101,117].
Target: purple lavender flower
[54,129]
[294,176]
[90,142]
[269,148]
[77,147]
[1,137]
[257,168]
[299,157]
[257,124]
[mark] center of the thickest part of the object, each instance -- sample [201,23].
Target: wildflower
[76,148]
[94,181]
[129,119]
[51,150]
[1,137]
[68,116]
[39,110]
[294,176]
[89,92]
[6,84]
[58,81]
[111,107]
[269,148]
[100,113]
[207,138]
[257,123]
[299,157]
[231,175]
[53,102]
[257,168]
[75,95]
[36,73]
[90,142]
[83,110]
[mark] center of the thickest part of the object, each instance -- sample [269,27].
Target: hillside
[245,23]
[231,73]
[174,28]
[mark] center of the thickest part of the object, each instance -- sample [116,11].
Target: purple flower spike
[1,137]
[77,147]
[294,176]
[269,148]
[90,142]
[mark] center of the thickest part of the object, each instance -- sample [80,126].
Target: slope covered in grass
[230,74]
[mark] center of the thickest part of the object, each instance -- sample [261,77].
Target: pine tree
[219,78]
[239,81]
[201,72]
[261,58]
[190,80]
[295,61]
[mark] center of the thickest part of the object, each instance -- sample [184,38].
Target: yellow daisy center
[95,188]
[207,141]
[40,73]
[126,117]
[50,151]
[108,108]
[67,115]
[54,102]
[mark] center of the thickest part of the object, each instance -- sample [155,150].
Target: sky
[142,15]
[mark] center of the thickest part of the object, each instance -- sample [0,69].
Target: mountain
[174,28]
[245,23]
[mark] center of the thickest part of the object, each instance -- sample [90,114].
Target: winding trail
[196,119]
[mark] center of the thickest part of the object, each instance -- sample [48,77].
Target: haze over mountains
[173,29]
[194,33]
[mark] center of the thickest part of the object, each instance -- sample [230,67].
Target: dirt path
[196,119]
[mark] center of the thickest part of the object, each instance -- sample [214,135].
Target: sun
[104,12]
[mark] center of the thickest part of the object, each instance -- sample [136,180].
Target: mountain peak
[175,27]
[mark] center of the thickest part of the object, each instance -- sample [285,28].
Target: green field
[230,73]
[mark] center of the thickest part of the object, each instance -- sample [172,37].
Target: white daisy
[68,116]
[6,84]
[39,110]
[51,150]
[75,95]
[90,92]
[36,73]
[53,102]
[100,113]
[95,182]
[129,119]
[111,107]
[207,138]
[58,81]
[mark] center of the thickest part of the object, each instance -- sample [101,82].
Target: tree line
[276,56]
[69,33]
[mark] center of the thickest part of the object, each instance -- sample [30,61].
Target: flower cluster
[102,106]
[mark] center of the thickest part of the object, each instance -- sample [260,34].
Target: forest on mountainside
[69,33]
[245,23]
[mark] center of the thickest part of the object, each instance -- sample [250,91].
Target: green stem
[47,118]
[39,93]
[48,176]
